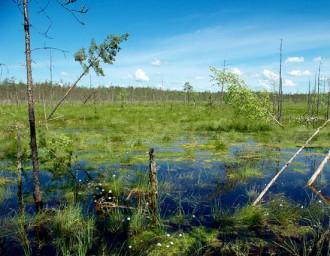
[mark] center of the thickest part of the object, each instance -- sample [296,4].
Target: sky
[174,41]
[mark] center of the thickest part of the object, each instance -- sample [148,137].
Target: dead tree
[280,89]
[318,91]
[32,122]
[328,104]
[309,98]
[288,163]
[153,206]
[319,169]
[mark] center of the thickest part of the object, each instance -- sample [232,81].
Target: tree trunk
[153,187]
[33,136]
[280,90]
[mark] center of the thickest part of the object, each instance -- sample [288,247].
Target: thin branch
[51,48]
[73,12]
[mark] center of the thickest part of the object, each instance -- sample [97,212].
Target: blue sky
[174,41]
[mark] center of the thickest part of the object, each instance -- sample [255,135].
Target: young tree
[105,52]
[244,101]
[188,89]
[32,122]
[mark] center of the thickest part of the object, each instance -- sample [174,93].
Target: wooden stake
[153,186]
[288,163]
[319,170]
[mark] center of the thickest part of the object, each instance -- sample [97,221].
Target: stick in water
[319,169]
[288,163]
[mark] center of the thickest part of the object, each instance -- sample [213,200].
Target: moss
[157,243]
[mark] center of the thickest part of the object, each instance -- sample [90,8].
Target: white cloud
[264,84]
[270,75]
[317,59]
[236,71]
[295,60]
[298,72]
[141,76]
[156,62]
[288,83]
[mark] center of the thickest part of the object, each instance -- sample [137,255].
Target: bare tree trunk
[153,187]
[309,98]
[68,92]
[318,91]
[33,136]
[280,90]
[288,163]
[328,105]
[319,170]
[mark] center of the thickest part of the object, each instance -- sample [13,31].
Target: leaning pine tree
[105,52]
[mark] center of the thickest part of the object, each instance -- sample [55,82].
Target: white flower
[180,235]
[159,244]
[281,205]
[109,197]
[302,207]
[128,218]
[167,246]
[320,201]
[100,184]
[102,189]
[130,246]
[114,175]
[171,243]
[80,180]
[194,216]
[110,191]
[168,235]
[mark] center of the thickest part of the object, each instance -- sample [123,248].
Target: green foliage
[57,153]
[187,87]
[105,52]
[245,102]
[222,78]
[74,231]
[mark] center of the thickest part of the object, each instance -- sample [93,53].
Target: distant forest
[12,92]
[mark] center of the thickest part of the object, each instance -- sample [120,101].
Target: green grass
[115,134]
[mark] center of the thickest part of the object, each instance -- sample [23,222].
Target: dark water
[193,187]
[196,184]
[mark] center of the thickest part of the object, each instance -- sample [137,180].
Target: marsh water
[193,185]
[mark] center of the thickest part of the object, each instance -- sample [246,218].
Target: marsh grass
[74,231]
